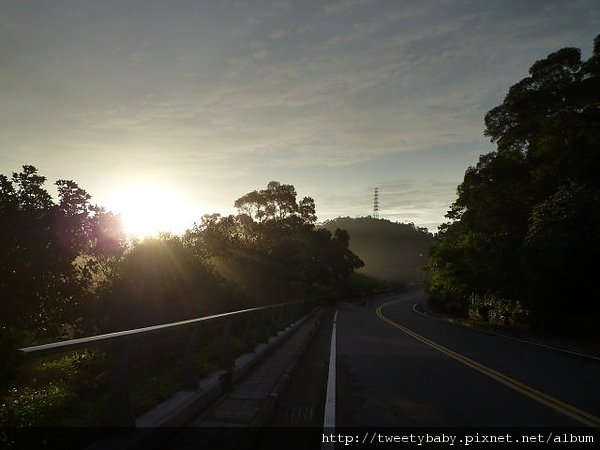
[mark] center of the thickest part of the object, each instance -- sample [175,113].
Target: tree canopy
[272,245]
[277,203]
[527,215]
[67,261]
[49,250]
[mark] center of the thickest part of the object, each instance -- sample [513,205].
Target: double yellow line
[564,408]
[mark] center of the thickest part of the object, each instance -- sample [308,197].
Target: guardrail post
[247,336]
[226,378]
[264,325]
[289,315]
[297,311]
[226,359]
[280,319]
[119,403]
[190,375]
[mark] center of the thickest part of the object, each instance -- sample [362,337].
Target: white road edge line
[329,416]
[562,350]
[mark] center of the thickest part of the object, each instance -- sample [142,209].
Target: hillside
[390,250]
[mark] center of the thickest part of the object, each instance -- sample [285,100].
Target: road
[399,369]
[396,369]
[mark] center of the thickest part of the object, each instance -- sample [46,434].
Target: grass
[60,392]
[71,391]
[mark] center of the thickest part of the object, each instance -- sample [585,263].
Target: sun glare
[148,209]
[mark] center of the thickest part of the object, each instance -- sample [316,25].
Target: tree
[160,280]
[47,252]
[271,247]
[277,202]
[547,91]
[561,243]
[515,204]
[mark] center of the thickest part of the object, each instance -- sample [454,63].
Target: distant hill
[390,250]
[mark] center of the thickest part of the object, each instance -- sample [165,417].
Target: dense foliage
[52,253]
[526,224]
[52,256]
[272,248]
[66,263]
[67,270]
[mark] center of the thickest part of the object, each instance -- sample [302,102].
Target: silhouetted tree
[160,280]
[527,211]
[48,252]
[276,202]
[271,247]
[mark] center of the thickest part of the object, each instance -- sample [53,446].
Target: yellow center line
[580,416]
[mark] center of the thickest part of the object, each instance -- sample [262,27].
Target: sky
[205,101]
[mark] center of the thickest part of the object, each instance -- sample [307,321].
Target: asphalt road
[399,369]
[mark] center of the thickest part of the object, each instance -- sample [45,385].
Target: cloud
[278,34]
[333,109]
[260,54]
[411,9]
[342,6]
[283,4]
[138,57]
[359,31]
[223,92]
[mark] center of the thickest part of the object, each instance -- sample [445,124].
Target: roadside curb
[183,405]
[420,309]
[268,407]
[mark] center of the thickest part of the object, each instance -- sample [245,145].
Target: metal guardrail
[124,343]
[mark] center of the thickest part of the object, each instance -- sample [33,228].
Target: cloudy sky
[212,99]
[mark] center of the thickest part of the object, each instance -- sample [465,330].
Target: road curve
[396,368]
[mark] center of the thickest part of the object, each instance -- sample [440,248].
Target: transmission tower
[376,204]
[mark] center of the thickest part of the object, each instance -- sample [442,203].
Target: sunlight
[148,209]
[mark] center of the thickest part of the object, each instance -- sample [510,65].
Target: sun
[149,209]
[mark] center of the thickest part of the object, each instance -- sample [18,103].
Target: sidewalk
[236,418]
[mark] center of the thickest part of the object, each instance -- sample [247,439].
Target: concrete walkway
[235,420]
